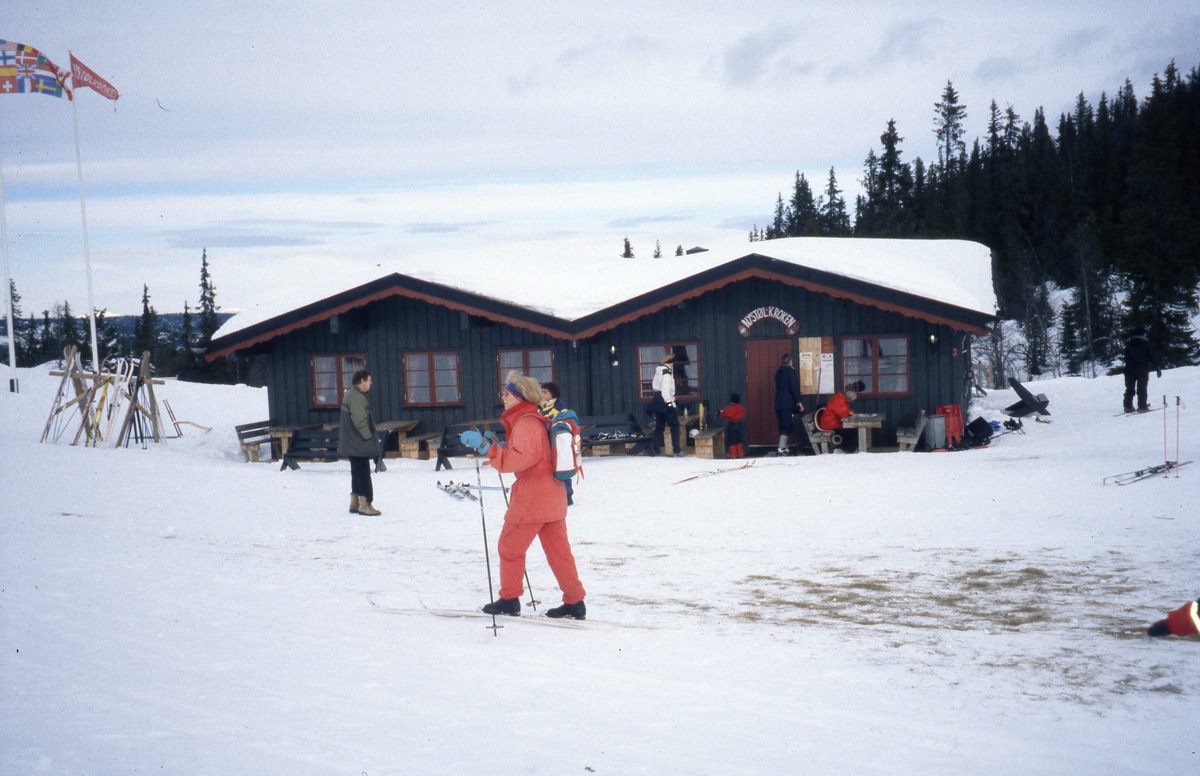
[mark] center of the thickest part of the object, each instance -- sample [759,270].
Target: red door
[762,360]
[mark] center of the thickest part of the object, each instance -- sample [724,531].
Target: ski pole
[486,556]
[1166,468]
[533,603]
[1177,458]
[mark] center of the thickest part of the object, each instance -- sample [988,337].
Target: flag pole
[87,254]
[12,324]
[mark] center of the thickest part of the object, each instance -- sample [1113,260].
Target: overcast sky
[301,140]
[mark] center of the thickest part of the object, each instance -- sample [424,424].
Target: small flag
[82,75]
[23,70]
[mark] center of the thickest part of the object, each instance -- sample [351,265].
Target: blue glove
[491,437]
[475,440]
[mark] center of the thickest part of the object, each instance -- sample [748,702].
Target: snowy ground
[176,610]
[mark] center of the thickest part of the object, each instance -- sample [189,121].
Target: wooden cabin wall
[590,382]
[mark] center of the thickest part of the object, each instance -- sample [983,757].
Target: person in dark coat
[357,441]
[787,400]
[1139,360]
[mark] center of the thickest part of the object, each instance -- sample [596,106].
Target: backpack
[564,444]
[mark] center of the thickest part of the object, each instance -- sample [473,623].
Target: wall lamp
[612,354]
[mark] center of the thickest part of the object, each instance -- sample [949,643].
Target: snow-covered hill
[176,610]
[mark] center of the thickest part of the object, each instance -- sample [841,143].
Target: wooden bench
[612,435]
[320,444]
[251,436]
[418,446]
[908,436]
[820,439]
[710,443]
[598,435]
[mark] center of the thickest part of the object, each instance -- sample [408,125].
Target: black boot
[503,606]
[574,611]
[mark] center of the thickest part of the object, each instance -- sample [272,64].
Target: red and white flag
[82,75]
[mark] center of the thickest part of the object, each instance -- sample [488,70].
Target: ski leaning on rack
[1143,474]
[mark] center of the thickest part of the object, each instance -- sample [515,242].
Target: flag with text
[82,75]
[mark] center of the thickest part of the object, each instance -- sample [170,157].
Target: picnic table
[864,422]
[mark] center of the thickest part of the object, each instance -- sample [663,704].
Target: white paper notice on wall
[825,384]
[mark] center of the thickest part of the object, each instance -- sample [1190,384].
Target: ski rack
[116,408]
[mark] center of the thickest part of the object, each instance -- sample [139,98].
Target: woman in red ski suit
[838,409]
[537,506]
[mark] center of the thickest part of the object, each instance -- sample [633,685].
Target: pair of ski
[1144,474]
[463,490]
[1137,412]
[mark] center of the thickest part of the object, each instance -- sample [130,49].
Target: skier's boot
[354,503]
[365,508]
[576,611]
[510,606]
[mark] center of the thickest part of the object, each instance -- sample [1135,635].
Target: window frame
[876,355]
[431,371]
[342,378]
[502,370]
[645,393]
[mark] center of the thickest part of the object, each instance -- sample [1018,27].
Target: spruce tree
[800,218]
[628,252]
[948,127]
[147,328]
[835,222]
[209,320]
[893,177]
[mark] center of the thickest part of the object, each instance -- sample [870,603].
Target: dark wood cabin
[439,354]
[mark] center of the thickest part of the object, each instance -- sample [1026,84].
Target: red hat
[1181,622]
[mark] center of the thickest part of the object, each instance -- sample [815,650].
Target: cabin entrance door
[762,361]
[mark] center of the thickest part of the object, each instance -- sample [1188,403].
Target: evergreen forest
[1101,215]
[176,343]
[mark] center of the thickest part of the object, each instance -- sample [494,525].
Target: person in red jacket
[537,506]
[735,413]
[830,417]
[1184,621]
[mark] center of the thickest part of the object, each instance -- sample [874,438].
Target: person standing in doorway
[787,400]
[358,441]
[1139,360]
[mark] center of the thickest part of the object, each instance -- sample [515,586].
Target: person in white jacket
[662,406]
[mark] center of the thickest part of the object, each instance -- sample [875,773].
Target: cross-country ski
[1142,474]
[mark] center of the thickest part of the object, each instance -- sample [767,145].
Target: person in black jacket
[787,400]
[1139,360]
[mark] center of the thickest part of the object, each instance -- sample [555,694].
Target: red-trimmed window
[331,377]
[538,363]
[431,379]
[881,364]
[686,368]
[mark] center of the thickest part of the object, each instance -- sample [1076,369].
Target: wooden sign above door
[768,311]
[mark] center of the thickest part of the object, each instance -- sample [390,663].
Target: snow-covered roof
[952,272]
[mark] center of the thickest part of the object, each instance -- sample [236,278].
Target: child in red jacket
[735,413]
